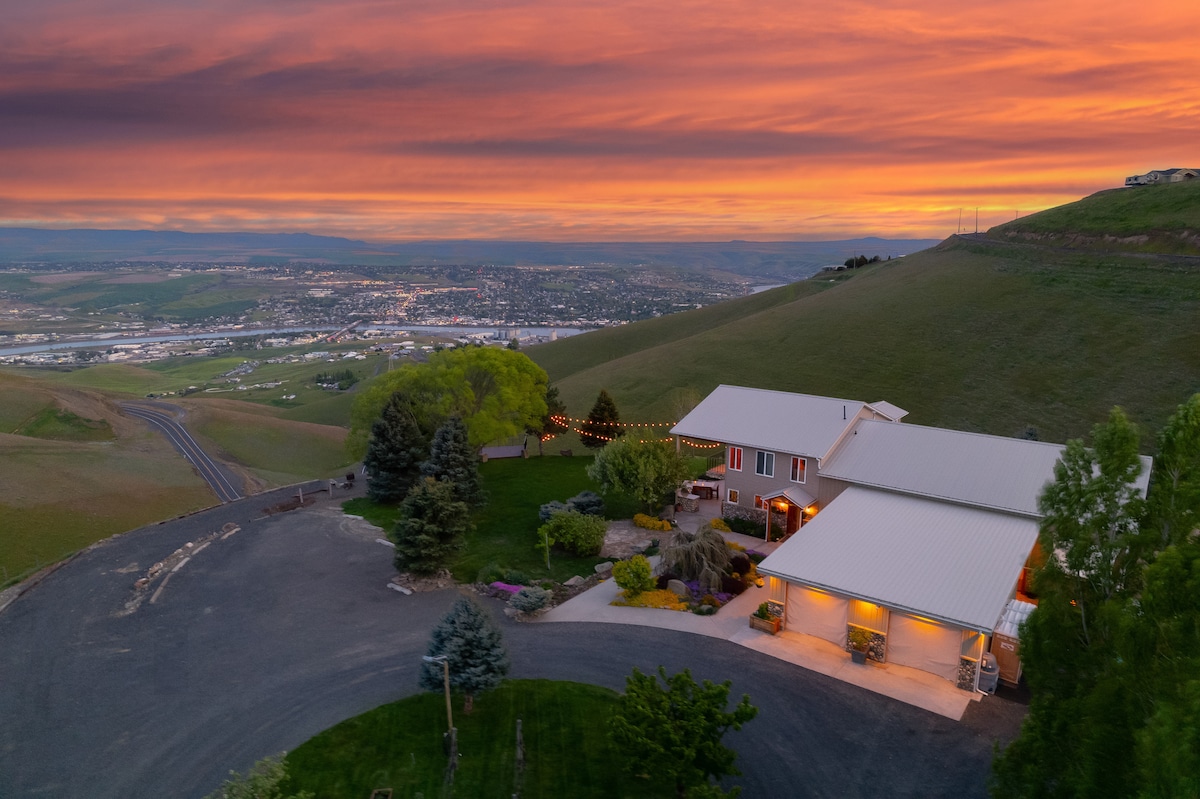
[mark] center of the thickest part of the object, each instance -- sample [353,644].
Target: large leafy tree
[601,425]
[674,728]
[433,523]
[452,459]
[1112,652]
[497,392]
[473,647]
[649,470]
[395,451]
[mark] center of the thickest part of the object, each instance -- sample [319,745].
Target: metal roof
[793,494]
[800,424]
[950,563]
[888,410]
[988,471]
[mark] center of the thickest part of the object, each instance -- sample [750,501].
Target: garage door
[924,645]
[816,613]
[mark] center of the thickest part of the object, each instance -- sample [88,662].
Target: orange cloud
[691,120]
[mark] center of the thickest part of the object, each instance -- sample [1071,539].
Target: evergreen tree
[452,460]
[473,648]
[601,425]
[394,452]
[432,525]
[546,426]
[675,729]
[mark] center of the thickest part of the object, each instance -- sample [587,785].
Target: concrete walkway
[911,686]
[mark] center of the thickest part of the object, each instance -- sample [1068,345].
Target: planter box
[858,655]
[766,625]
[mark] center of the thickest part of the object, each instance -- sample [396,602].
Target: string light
[563,420]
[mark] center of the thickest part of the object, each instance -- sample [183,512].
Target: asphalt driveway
[283,628]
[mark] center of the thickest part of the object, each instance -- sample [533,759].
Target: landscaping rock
[574,581]
[604,569]
[678,588]
[642,546]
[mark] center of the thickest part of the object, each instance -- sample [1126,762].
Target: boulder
[574,581]
[604,569]
[677,587]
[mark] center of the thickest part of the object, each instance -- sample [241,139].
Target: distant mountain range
[771,261]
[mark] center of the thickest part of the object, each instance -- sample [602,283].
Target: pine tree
[432,525]
[601,425]
[452,460]
[395,452]
[473,648]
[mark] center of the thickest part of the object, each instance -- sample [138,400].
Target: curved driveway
[283,628]
[217,478]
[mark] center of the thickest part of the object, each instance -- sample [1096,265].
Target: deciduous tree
[648,470]
[473,648]
[674,728]
[265,781]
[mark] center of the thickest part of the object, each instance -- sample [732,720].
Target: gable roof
[801,424]
[951,563]
[1006,474]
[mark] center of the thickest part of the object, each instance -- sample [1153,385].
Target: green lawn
[399,746]
[506,527]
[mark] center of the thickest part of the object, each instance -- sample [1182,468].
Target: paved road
[284,628]
[162,418]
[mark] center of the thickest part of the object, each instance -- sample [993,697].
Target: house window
[735,459]
[733,495]
[765,465]
[758,502]
[799,465]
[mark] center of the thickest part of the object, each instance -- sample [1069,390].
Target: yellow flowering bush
[658,598]
[650,523]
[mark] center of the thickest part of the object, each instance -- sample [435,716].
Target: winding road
[216,477]
[273,628]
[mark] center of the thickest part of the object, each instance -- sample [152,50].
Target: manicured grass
[399,746]
[506,528]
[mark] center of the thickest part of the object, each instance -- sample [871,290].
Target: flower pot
[858,655]
[765,625]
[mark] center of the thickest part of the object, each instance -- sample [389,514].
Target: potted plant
[860,643]
[763,619]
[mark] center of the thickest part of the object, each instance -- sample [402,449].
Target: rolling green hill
[974,334]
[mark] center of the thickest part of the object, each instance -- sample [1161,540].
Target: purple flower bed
[697,593]
[756,556]
[510,589]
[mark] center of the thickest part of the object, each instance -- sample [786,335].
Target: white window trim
[805,462]
[762,456]
[732,495]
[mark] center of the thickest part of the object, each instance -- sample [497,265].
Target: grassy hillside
[1162,219]
[973,335]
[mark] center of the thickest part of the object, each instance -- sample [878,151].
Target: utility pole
[959,222]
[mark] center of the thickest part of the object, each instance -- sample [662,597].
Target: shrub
[732,585]
[705,610]
[859,638]
[763,611]
[709,599]
[574,532]
[720,525]
[668,600]
[650,523]
[515,576]
[739,564]
[589,503]
[529,599]
[550,508]
[634,575]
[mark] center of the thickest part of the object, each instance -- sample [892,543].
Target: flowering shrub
[756,556]
[650,523]
[505,587]
[720,525]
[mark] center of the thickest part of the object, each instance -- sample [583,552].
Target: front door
[793,518]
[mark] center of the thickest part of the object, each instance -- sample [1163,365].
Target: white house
[920,535]
[1157,176]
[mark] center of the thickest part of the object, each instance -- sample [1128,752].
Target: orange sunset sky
[585,120]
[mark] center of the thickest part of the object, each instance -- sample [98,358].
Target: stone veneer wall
[733,510]
[876,650]
[966,673]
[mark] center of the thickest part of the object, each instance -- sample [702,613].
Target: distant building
[1156,176]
